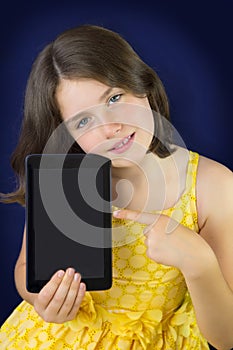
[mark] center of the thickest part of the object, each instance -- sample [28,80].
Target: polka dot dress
[148,306]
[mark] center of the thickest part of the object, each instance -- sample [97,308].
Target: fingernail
[76,276]
[70,271]
[82,286]
[117,213]
[60,274]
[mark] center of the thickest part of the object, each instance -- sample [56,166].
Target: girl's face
[106,121]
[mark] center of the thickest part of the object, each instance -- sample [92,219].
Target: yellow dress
[148,306]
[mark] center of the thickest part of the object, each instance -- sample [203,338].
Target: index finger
[47,292]
[136,215]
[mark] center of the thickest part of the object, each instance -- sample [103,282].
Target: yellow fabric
[148,306]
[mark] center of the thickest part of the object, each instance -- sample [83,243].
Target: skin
[204,258]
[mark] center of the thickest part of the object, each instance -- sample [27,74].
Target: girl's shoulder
[212,173]
[214,187]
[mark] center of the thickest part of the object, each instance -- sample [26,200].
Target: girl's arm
[59,300]
[205,259]
[211,285]
[20,274]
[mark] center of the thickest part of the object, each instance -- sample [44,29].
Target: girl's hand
[61,297]
[170,243]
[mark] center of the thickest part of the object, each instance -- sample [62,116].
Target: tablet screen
[55,240]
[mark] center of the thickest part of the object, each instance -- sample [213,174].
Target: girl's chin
[124,160]
[122,163]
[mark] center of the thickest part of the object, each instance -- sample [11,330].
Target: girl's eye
[83,122]
[114,99]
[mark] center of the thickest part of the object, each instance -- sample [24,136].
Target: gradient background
[189,44]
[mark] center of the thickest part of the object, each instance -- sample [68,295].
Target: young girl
[172,272]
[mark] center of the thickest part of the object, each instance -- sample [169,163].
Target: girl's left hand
[168,242]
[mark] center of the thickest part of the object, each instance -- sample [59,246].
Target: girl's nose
[111,129]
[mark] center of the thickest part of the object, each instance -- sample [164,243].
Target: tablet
[68,218]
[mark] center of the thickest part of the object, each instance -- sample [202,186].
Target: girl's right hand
[59,300]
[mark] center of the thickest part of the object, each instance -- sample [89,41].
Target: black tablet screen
[53,249]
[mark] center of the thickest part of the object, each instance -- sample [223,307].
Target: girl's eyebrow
[106,93]
[84,113]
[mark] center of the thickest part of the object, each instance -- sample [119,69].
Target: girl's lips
[123,145]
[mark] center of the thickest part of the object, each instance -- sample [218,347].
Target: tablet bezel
[53,161]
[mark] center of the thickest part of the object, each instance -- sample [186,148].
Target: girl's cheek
[85,146]
[89,145]
[85,142]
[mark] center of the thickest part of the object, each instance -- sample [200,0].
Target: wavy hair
[87,51]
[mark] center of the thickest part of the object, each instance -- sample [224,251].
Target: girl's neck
[131,185]
[135,173]
[154,184]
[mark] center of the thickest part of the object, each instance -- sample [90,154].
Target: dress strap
[192,173]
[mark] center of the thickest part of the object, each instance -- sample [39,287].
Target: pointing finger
[136,215]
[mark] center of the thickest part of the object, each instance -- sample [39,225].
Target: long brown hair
[87,51]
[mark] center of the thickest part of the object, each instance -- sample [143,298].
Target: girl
[173,281]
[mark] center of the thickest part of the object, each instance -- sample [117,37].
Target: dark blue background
[189,44]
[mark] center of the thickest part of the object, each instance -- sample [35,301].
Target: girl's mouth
[123,145]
